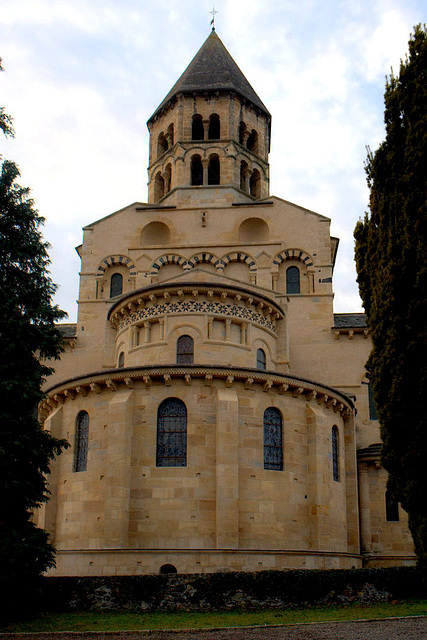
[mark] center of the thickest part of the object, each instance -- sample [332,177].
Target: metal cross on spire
[213,13]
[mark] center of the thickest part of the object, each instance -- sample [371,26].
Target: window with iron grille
[292,280]
[261,361]
[273,447]
[116,285]
[335,454]
[171,434]
[185,350]
[82,441]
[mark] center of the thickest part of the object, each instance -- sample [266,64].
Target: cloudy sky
[83,76]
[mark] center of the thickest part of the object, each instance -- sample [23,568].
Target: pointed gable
[213,69]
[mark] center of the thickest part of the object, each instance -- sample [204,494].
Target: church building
[218,411]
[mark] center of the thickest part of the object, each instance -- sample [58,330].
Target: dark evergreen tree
[28,337]
[391,260]
[5,119]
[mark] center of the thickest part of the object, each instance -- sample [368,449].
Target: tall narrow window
[185,350]
[171,434]
[372,408]
[242,131]
[261,360]
[116,285]
[197,132]
[121,362]
[335,454]
[255,184]
[273,447]
[214,170]
[214,127]
[196,171]
[292,280]
[391,507]
[82,441]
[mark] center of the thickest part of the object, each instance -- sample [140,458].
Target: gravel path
[391,629]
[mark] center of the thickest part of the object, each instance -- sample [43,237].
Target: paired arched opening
[273,439]
[81,441]
[252,142]
[255,184]
[197,131]
[196,171]
[159,186]
[214,169]
[171,450]
[162,144]
[214,132]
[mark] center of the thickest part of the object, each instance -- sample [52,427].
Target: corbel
[283,388]
[81,391]
[297,392]
[267,386]
[167,379]
[95,387]
[68,393]
[208,380]
[147,381]
[229,381]
[111,384]
[129,383]
[188,379]
[249,383]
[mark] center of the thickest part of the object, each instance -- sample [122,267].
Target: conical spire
[213,69]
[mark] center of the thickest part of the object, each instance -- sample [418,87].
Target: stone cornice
[127,377]
[371,454]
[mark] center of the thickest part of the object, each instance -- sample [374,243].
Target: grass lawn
[113,621]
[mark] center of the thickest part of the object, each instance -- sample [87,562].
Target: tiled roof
[67,330]
[213,69]
[349,320]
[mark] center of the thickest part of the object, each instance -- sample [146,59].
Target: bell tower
[210,136]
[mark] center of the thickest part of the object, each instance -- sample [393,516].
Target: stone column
[118,466]
[227,470]
[205,163]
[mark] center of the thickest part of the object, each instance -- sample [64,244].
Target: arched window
[168,178]
[121,363]
[116,285]
[81,441]
[292,280]
[170,135]
[171,434]
[162,144]
[391,507]
[166,569]
[213,170]
[273,447]
[214,127]
[197,132]
[261,360]
[335,454]
[159,186]
[255,184]
[185,350]
[242,129]
[244,172]
[252,143]
[196,171]
[372,408]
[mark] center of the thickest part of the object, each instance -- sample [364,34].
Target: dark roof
[349,320]
[67,330]
[213,69]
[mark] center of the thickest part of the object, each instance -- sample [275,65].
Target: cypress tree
[28,336]
[391,262]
